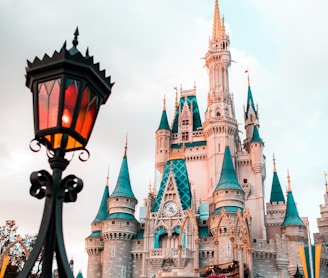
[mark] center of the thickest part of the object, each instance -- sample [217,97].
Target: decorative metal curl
[39,182]
[73,185]
[35,145]
[83,153]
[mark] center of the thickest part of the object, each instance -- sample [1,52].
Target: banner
[305,258]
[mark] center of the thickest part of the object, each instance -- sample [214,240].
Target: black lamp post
[68,89]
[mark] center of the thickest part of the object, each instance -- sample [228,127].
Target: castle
[209,213]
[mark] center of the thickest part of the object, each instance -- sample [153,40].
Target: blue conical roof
[250,102]
[102,212]
[79,275]
[256,135]
[291,217]
[164,124]
[276,191]
[228,178]
[123,186]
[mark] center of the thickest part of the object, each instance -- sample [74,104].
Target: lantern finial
[76,34]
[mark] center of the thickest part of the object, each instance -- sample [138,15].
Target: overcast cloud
[149,47]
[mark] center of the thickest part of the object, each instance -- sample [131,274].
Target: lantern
[68,89]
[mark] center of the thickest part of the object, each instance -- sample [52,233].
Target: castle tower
[322,223]
[230,222]
[94,242]
[120,227]
[276,208]
[255,201]
[163,134]
[293,230]
[220,108]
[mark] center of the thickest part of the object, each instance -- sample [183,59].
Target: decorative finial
[248,78]
[164,103]
[274,164]
[326,182]
[64,45]
[107,178]
[289,189]
[126,145]
[195,87]
[76,34]
[87,52]
[176,98]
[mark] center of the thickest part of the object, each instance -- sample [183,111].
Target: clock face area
[170,208]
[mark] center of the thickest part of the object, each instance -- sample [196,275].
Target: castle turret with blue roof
[276,207]
[94,242]
[163,134]
[293,230]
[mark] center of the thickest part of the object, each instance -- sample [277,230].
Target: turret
[120,226]
[163,134]
[293,229]
[250,117]
[256,151]
[94,242]
[276,208]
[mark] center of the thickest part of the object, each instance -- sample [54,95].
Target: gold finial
[326,182]
[216,22]
[176,98]
[126,145]
[107,178]
[195,87]
[248,78]
[289,189]
[164,103]
[274,164]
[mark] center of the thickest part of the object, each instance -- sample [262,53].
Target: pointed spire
[217,23]
[102,211]
[250,101]
[228,179]
[226,129]
[123,186]
[276,191]
[164,123]
[292,217]
[256,135]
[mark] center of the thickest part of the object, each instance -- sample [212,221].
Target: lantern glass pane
[87,113]
[48,103]
[71,93]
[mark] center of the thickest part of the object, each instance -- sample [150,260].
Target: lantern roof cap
[70,62]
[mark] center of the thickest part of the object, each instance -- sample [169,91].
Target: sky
[149,47]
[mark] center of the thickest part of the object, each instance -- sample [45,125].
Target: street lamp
[68,89]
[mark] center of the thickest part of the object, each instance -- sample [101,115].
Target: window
[185,122]
[185,136]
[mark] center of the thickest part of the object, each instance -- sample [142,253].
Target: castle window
[138,242]
[128,223]
[245,180]
[185,136]
[185,122]
[113,222]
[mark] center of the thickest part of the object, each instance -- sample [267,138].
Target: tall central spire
[216,22]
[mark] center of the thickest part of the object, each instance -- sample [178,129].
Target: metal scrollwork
[39,181]
[84,155]
[35,145]
[73,185]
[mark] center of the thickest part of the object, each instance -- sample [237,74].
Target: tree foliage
[16,248]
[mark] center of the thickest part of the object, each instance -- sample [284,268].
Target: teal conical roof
[102,212]
[164,124]
[179,169]
[228,178]
[123,186]
[250,102]
[79,275]
[256,135]
[292,217]
[276,191]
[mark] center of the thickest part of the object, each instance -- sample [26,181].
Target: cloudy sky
[149,47]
